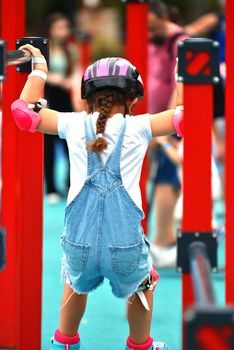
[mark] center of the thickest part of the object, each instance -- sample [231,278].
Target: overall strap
[113,161]
[94,161]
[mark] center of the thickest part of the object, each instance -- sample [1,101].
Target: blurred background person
[164,36]
[62,92]
[212,25]
[175,154]
[102,23]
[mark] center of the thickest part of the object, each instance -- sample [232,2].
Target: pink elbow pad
[178,121]
[24,118]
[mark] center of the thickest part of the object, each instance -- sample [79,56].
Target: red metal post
[198,102]
[30,240]
[21,215]
[229,175]
[197,202]
[10,191]
[86,52]
[136,52]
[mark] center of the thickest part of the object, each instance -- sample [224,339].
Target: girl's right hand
[35,52]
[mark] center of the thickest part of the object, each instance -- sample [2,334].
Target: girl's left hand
[35,52]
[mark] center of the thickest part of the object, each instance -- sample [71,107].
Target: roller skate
[160,346]
[60,346]
[61,342]
[149,345]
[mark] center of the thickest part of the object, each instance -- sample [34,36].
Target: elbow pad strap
[24,118]
[178,121]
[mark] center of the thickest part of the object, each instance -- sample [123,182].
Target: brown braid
[103,101]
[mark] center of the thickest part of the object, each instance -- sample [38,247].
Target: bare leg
[71,312]
[165,200]
[139,318]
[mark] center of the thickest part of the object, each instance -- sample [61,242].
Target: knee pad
[24,118]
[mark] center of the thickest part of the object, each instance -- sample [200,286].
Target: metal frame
[200,269]
[136,52]
[21,209]
[197,202]
[86,49]
[17,57]
[198,61]
[210,328]
[184,242]
[40,43]
[2,60]
[2,248]
[229,170]
[21,58]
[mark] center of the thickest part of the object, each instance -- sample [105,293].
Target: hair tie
[99,135]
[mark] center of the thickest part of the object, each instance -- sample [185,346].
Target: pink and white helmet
[112,72]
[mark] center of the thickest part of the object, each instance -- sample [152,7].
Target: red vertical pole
[229,168]
[86,51]
[198,114]
[30,242]
[197,204]
[11,29]
[136,52]
[21,215]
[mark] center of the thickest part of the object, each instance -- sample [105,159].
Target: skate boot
[61,342]
[149,345]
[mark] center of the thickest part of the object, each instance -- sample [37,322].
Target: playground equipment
[136,52]
[21,207]
[20,58]
[208,325]
[205,324]
[2,249]
[229,173]
[8,58]
[86,49]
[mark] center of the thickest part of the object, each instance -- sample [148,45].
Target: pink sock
[58,336]
[145,346]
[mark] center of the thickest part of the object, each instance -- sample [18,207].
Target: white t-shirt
[136,139]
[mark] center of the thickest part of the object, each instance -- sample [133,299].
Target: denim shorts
[126,267]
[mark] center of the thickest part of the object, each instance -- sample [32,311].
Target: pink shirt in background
[161,80]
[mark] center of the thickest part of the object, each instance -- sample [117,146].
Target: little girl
[102,236]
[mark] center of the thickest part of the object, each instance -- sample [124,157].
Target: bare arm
[174,155]
[179,94]
[170,147]
[162,123]
[34,89]
[202,25]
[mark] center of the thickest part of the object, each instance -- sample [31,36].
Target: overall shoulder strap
[93,159]
[113,162]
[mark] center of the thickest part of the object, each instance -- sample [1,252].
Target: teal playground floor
[104,325]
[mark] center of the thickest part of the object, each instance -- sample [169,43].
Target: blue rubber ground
[104,325]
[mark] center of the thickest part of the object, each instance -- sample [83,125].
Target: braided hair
[103,101]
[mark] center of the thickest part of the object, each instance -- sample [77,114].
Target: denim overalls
[102,236]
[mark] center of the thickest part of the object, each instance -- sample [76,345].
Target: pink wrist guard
[24,118]
[178,121]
